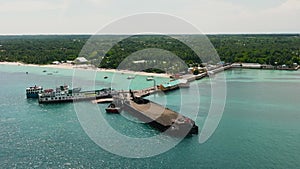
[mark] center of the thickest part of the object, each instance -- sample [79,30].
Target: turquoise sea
[260,127]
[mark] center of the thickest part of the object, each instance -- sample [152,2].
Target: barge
[159,117]
[64,94]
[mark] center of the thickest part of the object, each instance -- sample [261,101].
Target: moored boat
[175,84]
[34,91]
[149,78]
[130,77]
[112,108]
[64,94]
[172,85]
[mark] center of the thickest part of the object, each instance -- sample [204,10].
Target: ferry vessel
[34,91]
[64,94]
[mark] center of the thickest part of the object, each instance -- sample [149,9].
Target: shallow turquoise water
[259,129]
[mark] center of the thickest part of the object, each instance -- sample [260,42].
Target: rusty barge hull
[160,123]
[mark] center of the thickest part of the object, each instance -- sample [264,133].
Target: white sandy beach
[70,66]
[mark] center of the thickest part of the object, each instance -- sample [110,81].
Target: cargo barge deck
[157,116]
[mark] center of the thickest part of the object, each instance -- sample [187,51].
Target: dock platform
[104,100]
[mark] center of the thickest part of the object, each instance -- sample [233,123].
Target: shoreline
[86,67]
[68,66]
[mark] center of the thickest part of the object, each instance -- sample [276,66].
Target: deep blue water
[260,127]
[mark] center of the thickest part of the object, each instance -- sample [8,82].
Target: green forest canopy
[44,49]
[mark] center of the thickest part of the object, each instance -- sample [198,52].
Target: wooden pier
[145,92]
[162,118]
[152,90]
[104,100]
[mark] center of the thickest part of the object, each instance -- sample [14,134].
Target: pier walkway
[152,90]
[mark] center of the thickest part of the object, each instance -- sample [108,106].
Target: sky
[88,16]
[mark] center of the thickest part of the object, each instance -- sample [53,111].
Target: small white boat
[130,77]
[149,78]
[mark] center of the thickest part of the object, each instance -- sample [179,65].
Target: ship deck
[156,112]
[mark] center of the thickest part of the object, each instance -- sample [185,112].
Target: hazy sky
[88,16]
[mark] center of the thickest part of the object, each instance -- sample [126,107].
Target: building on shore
[56,62]
[197,70]
[81,60]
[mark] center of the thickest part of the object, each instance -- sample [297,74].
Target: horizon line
[208,33]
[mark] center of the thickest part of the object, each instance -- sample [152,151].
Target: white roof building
[56,63]
[139,61]
[81,60]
